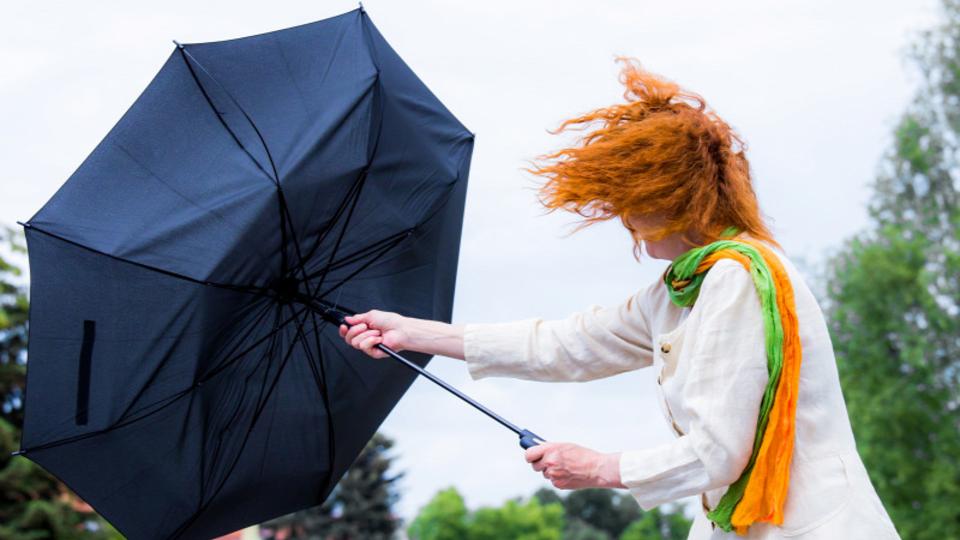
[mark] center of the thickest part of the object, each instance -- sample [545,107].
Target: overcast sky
[814,87]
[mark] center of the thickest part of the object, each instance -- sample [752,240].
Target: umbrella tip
[24,225]
[18,453]
[361,7]
[177,43]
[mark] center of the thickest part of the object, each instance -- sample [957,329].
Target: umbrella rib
[128,410]
[188,57]
[184,54]
[404,234]
[247,330]
[268,354]
[361,181]
[351,193]
[156,177]
[247,289]
[320,379]
[286,219]
[253,422]
[355,194]
[170,399]
[363,267]
[343,230]
[218,369]
[365,251]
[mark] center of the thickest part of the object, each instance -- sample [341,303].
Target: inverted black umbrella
[185,373]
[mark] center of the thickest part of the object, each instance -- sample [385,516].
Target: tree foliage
[893,304]
[588,514]
[658,524]
[446,517]
[605,510]
[443,518]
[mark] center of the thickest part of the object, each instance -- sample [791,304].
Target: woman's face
[668,248]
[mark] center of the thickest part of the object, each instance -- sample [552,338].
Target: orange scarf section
[765,492]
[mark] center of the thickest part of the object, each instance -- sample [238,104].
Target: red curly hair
[662,155]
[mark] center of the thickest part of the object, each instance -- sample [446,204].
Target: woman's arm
[721,396]
[594,343]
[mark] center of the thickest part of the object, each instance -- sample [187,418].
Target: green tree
[893,304]
[360,506]
[658,524]
[517,520]
[33,504]
[606,514]
[446,517]
[602,509]
[587,514]
[443,518]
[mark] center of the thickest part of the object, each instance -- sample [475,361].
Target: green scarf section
[683,286]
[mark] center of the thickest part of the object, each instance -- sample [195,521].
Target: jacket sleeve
[721,394]
[591,344]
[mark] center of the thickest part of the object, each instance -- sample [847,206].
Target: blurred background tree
[445,517]
[33,504]
[893,304]
[588,514]
[360,506]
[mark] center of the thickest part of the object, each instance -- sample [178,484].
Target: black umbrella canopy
[181,378]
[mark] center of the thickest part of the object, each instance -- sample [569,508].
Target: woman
[747,376]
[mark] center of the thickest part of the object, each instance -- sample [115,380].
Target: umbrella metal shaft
[445,385]
[335,316]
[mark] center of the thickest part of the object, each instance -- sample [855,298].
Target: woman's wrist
[432,337]
[608,471]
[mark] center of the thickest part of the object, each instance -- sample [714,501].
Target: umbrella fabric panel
[169,187]
[310,79]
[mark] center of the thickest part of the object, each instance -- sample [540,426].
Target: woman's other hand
[570,466]
[374,327]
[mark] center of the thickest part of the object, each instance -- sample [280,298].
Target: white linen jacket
[712,373]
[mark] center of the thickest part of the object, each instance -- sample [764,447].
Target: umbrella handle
[529,439]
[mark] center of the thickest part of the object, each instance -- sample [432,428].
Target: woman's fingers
[358,340]
[364,331]
[534,453]
[368,343]
[355,331]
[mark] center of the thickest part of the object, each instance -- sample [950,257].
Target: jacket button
[664,348]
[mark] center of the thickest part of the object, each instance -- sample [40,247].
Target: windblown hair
[662,155]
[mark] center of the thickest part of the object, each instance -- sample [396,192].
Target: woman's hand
[368,329]
[569,466]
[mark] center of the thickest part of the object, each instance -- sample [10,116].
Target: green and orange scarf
[761,490]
